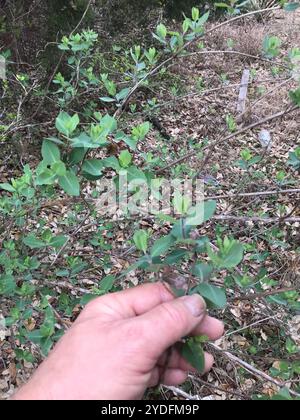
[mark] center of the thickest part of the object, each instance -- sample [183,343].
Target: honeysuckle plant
[204,262]
[70,158]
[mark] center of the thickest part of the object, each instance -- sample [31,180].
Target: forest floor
[204,90]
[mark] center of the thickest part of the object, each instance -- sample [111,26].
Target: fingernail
[195,304]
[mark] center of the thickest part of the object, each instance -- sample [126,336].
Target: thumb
[169,322]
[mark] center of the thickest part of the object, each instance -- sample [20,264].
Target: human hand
[117,347]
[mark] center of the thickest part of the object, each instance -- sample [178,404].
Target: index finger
[131,302]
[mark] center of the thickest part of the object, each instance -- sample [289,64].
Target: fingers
[166,324]
[211,327]
[177,375]
[176,361]
[171,377]
[130,302]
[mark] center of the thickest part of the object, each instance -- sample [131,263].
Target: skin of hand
[117,347]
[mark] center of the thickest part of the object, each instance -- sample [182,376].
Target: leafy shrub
[77,154]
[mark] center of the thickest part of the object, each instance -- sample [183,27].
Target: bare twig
[82,17]
[227,138]
[262,295]
[69,238]
[230,52]
[251,369]
[255,12]
[207,92]
[296,206]
[67,323]
[254,194]
[181,393]
[261,321]
[156,69]
[65,285]
[59,62]
[211,386]
[257,219]
[269,92]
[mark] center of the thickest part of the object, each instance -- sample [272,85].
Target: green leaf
[87,299]
[66,124]
[201,244]
[46,177]
[7,187]
[142,263]
[186,25]
[46,345]
[271,46]
[141,240]
[132,143]
[203,19]
[84,141]
[111,162]
[107,283]
[55,140]
[295,96]
[203,271]
[93,167]
[58,241]
[50,152]
[222,5]
[181,202]
[77,155]
[161,31]
[229,256]
[109,123]
[291,7]
[135,174]
[283,395]
[193,353]
[125,158]
[175,256]
[294,158]
[178,230]
[33,242]
[35,336]
[107,99]
[7,284]
[201,213]
[195,13]
[162,245]
[70,184]
[215,297]
[59,168]
[140,132]
[123,94]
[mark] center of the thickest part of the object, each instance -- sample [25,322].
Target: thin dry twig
[156,69]
[227,138]
[65,285]
[262,295]
[251,369]
[238,53]
[211,386]
[59,62]
[181,393]
[257,219]
[261,321]
[254,194]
